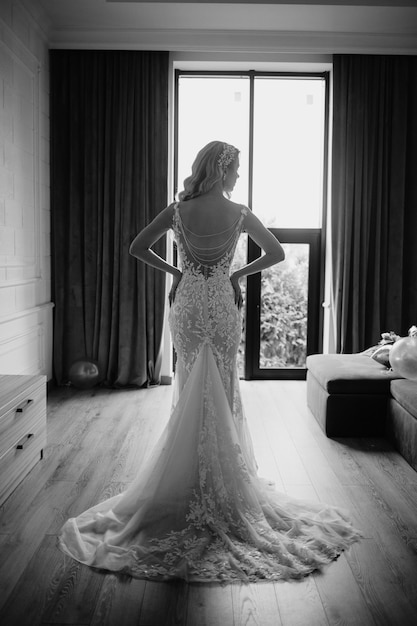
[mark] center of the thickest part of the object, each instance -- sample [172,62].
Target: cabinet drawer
[26,409]
[15,386]
[19,459]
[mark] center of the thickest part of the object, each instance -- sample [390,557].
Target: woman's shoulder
[169,210]
[237,208]
[165,217]
[240,210]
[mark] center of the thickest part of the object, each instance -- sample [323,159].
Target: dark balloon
[84,374]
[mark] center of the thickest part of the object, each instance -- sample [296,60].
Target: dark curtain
[374,197]
[109,116]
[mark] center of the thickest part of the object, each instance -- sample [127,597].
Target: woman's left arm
[140,246]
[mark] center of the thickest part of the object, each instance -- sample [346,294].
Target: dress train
[198,511]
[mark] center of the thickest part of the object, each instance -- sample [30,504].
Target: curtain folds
[109,156]
[374,197]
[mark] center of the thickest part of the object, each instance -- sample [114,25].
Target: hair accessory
[227,155]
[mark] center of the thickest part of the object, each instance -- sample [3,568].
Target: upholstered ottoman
[402,419]
[348,394]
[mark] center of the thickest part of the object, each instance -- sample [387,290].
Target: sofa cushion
[350,373]
[405,393]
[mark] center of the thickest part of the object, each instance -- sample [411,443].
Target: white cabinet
[22,428]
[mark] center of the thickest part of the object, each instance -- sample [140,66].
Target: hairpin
[227,155]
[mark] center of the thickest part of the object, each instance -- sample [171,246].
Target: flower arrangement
[392,337]
[388,338]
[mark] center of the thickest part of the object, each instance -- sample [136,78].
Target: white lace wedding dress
[198,510]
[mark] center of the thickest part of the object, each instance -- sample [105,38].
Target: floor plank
[30,527]
[383,596]
[255,605]
[164,603]
[119,602]
[52,589]
[210,605]
[379,525]
[300,603]
[341,596]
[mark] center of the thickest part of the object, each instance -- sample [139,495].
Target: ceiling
[369,26]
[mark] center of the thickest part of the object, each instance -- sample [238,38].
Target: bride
[198,510]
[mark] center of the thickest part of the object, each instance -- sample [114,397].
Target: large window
[279,124]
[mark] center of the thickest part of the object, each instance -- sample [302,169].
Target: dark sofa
[351,395]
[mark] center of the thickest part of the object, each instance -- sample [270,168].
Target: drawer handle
[23,406]
[24,440]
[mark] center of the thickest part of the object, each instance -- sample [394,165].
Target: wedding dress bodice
[204,309]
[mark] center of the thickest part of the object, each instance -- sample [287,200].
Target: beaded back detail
[194,247]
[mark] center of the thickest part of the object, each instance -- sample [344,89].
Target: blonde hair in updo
[206,170]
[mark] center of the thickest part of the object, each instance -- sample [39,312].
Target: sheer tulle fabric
[198,510]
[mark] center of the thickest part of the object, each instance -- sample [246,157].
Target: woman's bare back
[209,222]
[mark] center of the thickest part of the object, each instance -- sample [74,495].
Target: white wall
[25,262]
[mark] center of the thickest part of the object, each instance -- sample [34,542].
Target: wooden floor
[95,443]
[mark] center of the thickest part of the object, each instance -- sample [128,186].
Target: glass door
[283,309]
